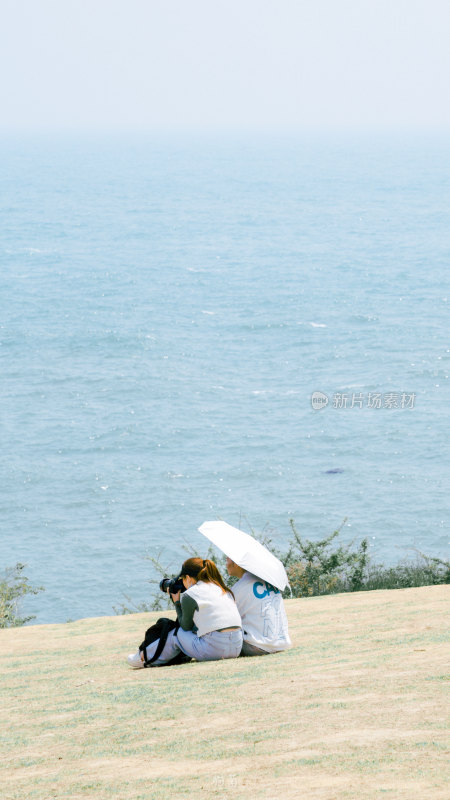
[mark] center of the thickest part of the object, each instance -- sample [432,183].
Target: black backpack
[160,630]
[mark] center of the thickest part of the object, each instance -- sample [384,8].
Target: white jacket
[261,607]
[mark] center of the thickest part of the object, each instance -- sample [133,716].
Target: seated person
[262,611]
[210,625]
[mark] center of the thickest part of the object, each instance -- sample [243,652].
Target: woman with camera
[208,606]
[210,626]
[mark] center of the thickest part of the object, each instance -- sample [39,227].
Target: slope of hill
[354,710]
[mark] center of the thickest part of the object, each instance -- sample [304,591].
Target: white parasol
[246,551]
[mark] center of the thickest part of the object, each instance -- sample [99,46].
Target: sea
[197,326]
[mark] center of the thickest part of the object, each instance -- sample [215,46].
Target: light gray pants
[212,646]
[170,650]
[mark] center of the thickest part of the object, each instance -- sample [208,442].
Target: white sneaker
[135,660]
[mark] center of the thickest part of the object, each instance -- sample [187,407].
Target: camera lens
[172,585]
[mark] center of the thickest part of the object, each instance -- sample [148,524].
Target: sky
[224,64]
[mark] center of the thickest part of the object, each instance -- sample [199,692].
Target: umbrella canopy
[246,551]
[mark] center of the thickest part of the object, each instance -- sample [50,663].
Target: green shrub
[13,586]
[316,568]
[423,571]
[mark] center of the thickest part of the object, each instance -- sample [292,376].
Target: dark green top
[185,612]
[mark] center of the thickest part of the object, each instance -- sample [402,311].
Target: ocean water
[168,308]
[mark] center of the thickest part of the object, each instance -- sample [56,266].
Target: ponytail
[203,569]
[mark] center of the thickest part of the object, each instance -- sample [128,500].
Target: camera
[172,585]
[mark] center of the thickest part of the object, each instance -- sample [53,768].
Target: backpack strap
[165,626]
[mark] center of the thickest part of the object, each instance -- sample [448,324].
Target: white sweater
[263,615]
[216,609]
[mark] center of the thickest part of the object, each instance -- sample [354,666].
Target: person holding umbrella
[264,620]
[261,579]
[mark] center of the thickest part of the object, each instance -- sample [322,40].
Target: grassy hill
[356,709]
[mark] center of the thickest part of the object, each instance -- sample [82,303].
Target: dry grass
[355,710]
